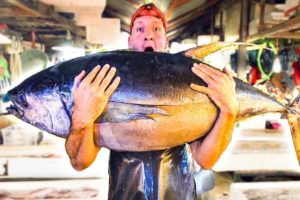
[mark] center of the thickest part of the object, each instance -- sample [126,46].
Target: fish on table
[153,108]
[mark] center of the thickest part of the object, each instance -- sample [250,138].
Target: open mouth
[149,49]
[12,109]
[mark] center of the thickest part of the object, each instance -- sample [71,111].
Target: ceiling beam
[126,9]
[224,5]
[14,12]
[193,26]
[38,29]
[182,19]
[125,22]
[293,23]
[286,35]
[31,22]
[175,33]
[125,27]
[41,9]
[164,5]
[171,9]
[114,13]
[24,7]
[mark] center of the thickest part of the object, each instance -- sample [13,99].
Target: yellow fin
[202,51]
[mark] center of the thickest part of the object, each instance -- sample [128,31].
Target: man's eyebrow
[155,23]
[159,23]
[139,22]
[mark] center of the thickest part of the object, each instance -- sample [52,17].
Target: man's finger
[201,89]
[77,79]
[110,90]
[101,75]
[91,76]
[107,79]
[228,72]
[204,76]
[209,70]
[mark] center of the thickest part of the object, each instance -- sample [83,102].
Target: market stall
[260,161]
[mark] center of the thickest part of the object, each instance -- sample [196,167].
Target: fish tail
[293,117]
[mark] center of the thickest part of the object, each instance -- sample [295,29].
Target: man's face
[148,34]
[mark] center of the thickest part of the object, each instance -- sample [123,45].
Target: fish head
[39,103]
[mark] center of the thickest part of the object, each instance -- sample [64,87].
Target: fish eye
[22,99]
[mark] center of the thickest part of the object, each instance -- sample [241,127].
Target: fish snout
[18,99]
[12,109]
[19,103]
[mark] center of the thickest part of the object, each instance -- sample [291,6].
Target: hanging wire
[265,76]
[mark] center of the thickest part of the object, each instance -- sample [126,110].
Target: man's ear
[167,43]
[129,42]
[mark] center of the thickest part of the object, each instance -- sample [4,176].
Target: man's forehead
[148,19]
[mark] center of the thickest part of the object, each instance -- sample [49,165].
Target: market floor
[221,189]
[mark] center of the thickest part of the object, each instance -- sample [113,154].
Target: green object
[265,76]
[4,73]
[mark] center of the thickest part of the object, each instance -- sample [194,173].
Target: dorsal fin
[201,51]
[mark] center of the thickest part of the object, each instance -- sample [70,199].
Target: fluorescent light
[67,49]
[4,39]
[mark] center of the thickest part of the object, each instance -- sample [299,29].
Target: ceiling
[186,18]
[50,24]
[180,14]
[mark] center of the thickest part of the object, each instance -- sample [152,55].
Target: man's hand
[221,90]
[221,87]
[91,94]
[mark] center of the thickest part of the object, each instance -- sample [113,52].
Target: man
[163,174]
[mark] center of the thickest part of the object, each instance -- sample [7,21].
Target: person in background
[255,75]
[163,174]
[296,74]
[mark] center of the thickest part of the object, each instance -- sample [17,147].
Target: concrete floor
[221,189]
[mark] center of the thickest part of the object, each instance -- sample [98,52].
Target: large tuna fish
[153,107]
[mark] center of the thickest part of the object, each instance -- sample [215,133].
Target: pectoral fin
[122,112]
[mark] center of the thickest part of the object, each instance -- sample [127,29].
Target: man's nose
[148,38]
[148,35]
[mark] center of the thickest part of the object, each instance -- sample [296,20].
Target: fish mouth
[149,49]
[12,109]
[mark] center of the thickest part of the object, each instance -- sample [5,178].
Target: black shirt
[153,175]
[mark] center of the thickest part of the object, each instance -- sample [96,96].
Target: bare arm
[221,90]
[90,96]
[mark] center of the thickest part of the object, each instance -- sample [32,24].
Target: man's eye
[139,29]
[156,29]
